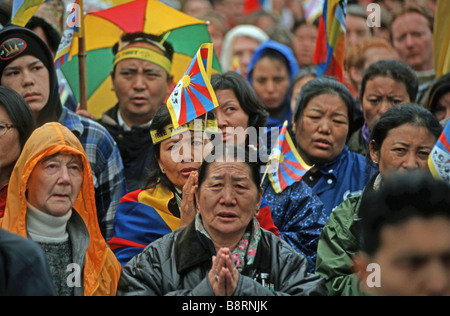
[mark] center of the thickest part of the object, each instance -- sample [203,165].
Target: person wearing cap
[141,80]
[26,65]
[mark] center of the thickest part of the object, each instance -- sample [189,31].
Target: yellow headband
[169,131]
[144,54]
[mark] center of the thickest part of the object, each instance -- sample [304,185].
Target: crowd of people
[124,204]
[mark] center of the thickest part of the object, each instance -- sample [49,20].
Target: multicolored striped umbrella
[104,28]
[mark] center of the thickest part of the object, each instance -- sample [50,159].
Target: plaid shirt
[106,164]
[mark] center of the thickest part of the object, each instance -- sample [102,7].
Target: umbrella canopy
[104,28]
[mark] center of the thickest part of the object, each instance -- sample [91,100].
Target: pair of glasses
[4,128]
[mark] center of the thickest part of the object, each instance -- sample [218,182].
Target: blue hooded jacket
[293,70]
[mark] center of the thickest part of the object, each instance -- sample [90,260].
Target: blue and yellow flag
[23,10]
[439,159]
[194,96]
[286,165]
[330,44]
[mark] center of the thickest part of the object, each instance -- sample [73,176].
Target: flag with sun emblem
[286,165]
[193,96]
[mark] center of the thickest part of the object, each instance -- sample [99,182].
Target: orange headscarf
[101,269]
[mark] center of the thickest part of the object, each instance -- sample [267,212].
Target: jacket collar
[191,252]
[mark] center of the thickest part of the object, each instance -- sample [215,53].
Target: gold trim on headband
[144,54]
[194,126]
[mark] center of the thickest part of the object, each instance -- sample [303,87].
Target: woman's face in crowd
[230,115]
[180,155]
[405,148]
[442,110]
[321,131]
[228,199]
[54,184]
[9,147]
[270,79]
[380,95]
[30,78]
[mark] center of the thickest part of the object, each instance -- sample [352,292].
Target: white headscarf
[226,58]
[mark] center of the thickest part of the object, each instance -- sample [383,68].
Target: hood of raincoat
[29,43]
[101,268]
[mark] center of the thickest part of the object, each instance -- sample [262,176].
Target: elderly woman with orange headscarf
[51,201]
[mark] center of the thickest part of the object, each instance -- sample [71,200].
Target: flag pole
[82,61]
[265,173]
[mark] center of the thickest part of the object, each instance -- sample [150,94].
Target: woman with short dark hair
[321,123]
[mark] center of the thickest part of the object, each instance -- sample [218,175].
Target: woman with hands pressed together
[166,203]
[223,251]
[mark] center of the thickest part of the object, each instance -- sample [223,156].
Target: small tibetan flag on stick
[72,30]
[194,96]
[285,164]
[439,159]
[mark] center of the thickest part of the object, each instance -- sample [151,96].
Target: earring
[163,170]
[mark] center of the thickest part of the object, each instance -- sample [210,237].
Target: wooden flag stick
[82,61]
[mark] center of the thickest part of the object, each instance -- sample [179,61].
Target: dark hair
[19,112]
[274,54]
[404,114]
[324,85]
[246,95]
[230,153]
[52,35]
[440,87]
[402,197]
[300,22]
[151,39]
[395,69]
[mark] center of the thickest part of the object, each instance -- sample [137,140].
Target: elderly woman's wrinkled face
[321,131]
[405,148]
[228,199]
[54,184]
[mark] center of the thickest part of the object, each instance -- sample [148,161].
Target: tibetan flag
[330,44]
[441,38]
[72,30]
[193,96]
[439,159]
[23,10]
[286,165]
